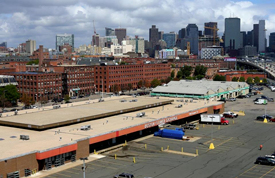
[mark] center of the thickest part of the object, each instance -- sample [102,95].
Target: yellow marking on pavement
[224,141]
[249,176]
[180,153]
[249,169]
[208,141]
[70,171]
[101,166]
[62,174]
[268,172]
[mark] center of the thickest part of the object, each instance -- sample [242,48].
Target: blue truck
[178,133]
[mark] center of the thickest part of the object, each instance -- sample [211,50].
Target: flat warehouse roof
[70,114]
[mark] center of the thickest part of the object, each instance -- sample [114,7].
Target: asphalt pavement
[236,149]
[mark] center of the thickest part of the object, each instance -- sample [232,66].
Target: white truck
[261,101]
[213,118]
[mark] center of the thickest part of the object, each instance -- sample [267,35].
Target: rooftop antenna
[94,27]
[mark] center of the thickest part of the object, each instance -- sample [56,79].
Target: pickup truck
[230,114]
[189,126]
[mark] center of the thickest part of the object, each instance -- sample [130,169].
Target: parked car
[223,99]
[124,175]
[14,109]
[189,126]
[73,97]
[268,116]
[68,102]
[260,118]
[60,99]
[231,99]
[230,114]
[265,161]
[241,96]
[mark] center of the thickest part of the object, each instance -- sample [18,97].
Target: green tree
[199,77]
[200,70]
[249,80]
[264,80]
[173,74]
[173,65]
[155,83]
[10,93]
[189,78]
[168,79]
[140,84]
[186,71]
[66,98]
[36,61]
[242,79]
[234,79]
[179,74]
[257,80]
[218,77]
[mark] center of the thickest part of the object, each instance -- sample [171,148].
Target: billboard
[230,59]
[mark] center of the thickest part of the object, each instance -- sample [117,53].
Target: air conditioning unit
[24,137]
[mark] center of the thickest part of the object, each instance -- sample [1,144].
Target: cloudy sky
[41,20]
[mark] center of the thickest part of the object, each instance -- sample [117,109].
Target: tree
[199,77]
[200,70]
[36,61]
[147,84]
[242,79]
[140,84]
[44,100]
[10,93]
[186,71]
[173,65]
[130,87]
[173,74]
[249,80]
[66,98]
[116,88]
[257,80]
[155,83]
[234,79]
[218,77]
[189,78]
[264,80]
[27,100]
[168,79]
[179,74]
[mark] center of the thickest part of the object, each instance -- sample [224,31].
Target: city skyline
[20,21]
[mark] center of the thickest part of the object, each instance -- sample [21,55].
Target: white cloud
[43,20]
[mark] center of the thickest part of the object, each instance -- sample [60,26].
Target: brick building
[39,85]
[122,75]
[229,75]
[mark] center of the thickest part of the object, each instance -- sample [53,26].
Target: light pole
[211,144]
[84,167]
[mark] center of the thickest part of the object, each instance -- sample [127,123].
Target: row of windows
[45,77]
[80,81]
[53,89]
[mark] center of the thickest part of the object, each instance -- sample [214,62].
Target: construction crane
[215,30]
[94,27]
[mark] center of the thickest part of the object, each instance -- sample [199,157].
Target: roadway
[236,149]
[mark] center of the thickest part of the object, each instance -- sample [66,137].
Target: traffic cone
[211,147]
[265,120]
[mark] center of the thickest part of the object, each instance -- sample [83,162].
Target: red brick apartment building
[122,75]
[39,85]
[229,75]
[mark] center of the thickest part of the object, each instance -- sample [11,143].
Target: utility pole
[84,167]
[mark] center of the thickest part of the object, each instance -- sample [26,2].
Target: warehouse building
[201,89]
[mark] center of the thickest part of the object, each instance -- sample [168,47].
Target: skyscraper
[95,40]
[232,33]
[256,36]
[272,41]
[153,35]
[249,37]
[161,35]
[62,39]
[181,33]
[192,36]
[3,44]
[109,31]
[120,33]
[262,36]
[170,39]
[210,32]
[30,46]
[243,39]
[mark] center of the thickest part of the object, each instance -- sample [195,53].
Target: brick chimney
[40,57]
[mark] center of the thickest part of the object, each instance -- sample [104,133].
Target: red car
[272,119]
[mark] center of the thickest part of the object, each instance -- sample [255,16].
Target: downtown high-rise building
[4,44]
[62,39]
[170,39]
[182,33]
[192,36]
[153,36]
[255,36]
[109,31]
[262,36]
[30,46]
[120,33]
[272,41]
[232,33]
[210,32]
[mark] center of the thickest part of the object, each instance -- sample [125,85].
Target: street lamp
[211,144]
[84,167]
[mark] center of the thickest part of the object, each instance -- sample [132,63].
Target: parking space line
[70,172]
[249,169]
[249,176]
[268,172]
[101,166]
[62,174]
[111,162]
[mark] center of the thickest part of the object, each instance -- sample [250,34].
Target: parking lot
[236,149]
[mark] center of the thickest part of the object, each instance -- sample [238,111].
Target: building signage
[193,113]
[230,59]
